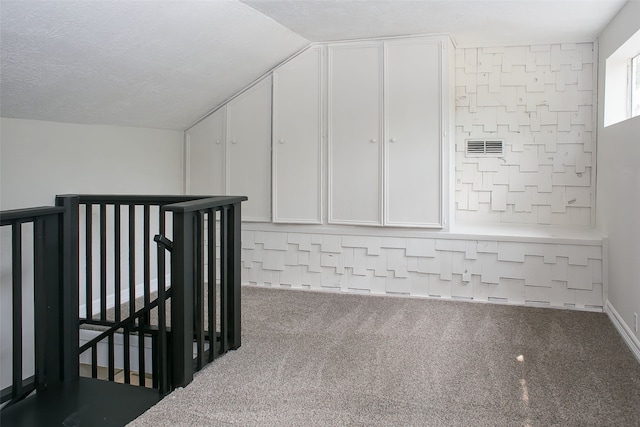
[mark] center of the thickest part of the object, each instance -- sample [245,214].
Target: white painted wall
[619,188]
[41,159]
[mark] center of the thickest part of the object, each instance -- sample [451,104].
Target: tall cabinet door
[413,133]
[207,155]
[249,150]
[297,139]
[355,134]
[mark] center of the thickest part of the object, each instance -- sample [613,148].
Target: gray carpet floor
[325,359]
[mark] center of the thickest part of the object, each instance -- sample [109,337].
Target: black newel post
[69,298]
[182,276]
[47,287]
[234,245]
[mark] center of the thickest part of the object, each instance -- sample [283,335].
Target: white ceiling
[164,64]
[158,64]
[471,22]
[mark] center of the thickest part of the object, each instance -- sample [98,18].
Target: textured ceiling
[164,64]
[158,64]
[470,21]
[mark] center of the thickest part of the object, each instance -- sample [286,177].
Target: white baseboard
[625,331]
[102,348]
[103,351]
[124,296]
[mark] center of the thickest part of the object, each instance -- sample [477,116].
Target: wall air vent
[484,148]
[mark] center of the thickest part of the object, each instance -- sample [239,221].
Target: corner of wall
[186,178]
[624,330]
[617,207]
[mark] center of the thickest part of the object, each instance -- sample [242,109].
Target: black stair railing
[87,252]
[111,237]
[198,315]
[112,243]
[41,225]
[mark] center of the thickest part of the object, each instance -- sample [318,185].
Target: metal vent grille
[479,147]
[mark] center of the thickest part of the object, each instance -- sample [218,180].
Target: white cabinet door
[297,139]
[412,133]
[355,134]
[207,155]
[249,150]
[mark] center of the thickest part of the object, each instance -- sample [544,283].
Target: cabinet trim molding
[439,43]
[277,216]
[440,126]
[377,139]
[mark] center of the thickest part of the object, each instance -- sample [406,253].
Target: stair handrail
[47,300]
[186,215]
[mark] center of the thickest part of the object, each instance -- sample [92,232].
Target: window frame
[634,85]
[618,81]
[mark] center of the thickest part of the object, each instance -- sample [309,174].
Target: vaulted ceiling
[164,64]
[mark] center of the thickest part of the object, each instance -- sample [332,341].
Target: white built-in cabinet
[230,152]
[207,155]
[386,104]
[413,133]
[355,133]
[386,132]
[297,139]
[249,150]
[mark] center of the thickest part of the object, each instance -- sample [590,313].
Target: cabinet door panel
[355,131]
[413,135]
[207,155]
[249,150]
[297,139]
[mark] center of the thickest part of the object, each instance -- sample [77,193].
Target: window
[635,86]
[622,82]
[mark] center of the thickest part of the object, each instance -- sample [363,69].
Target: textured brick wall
[540,101]
[553,274]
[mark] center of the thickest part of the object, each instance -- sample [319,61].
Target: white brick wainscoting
[563,273]
[540,101]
